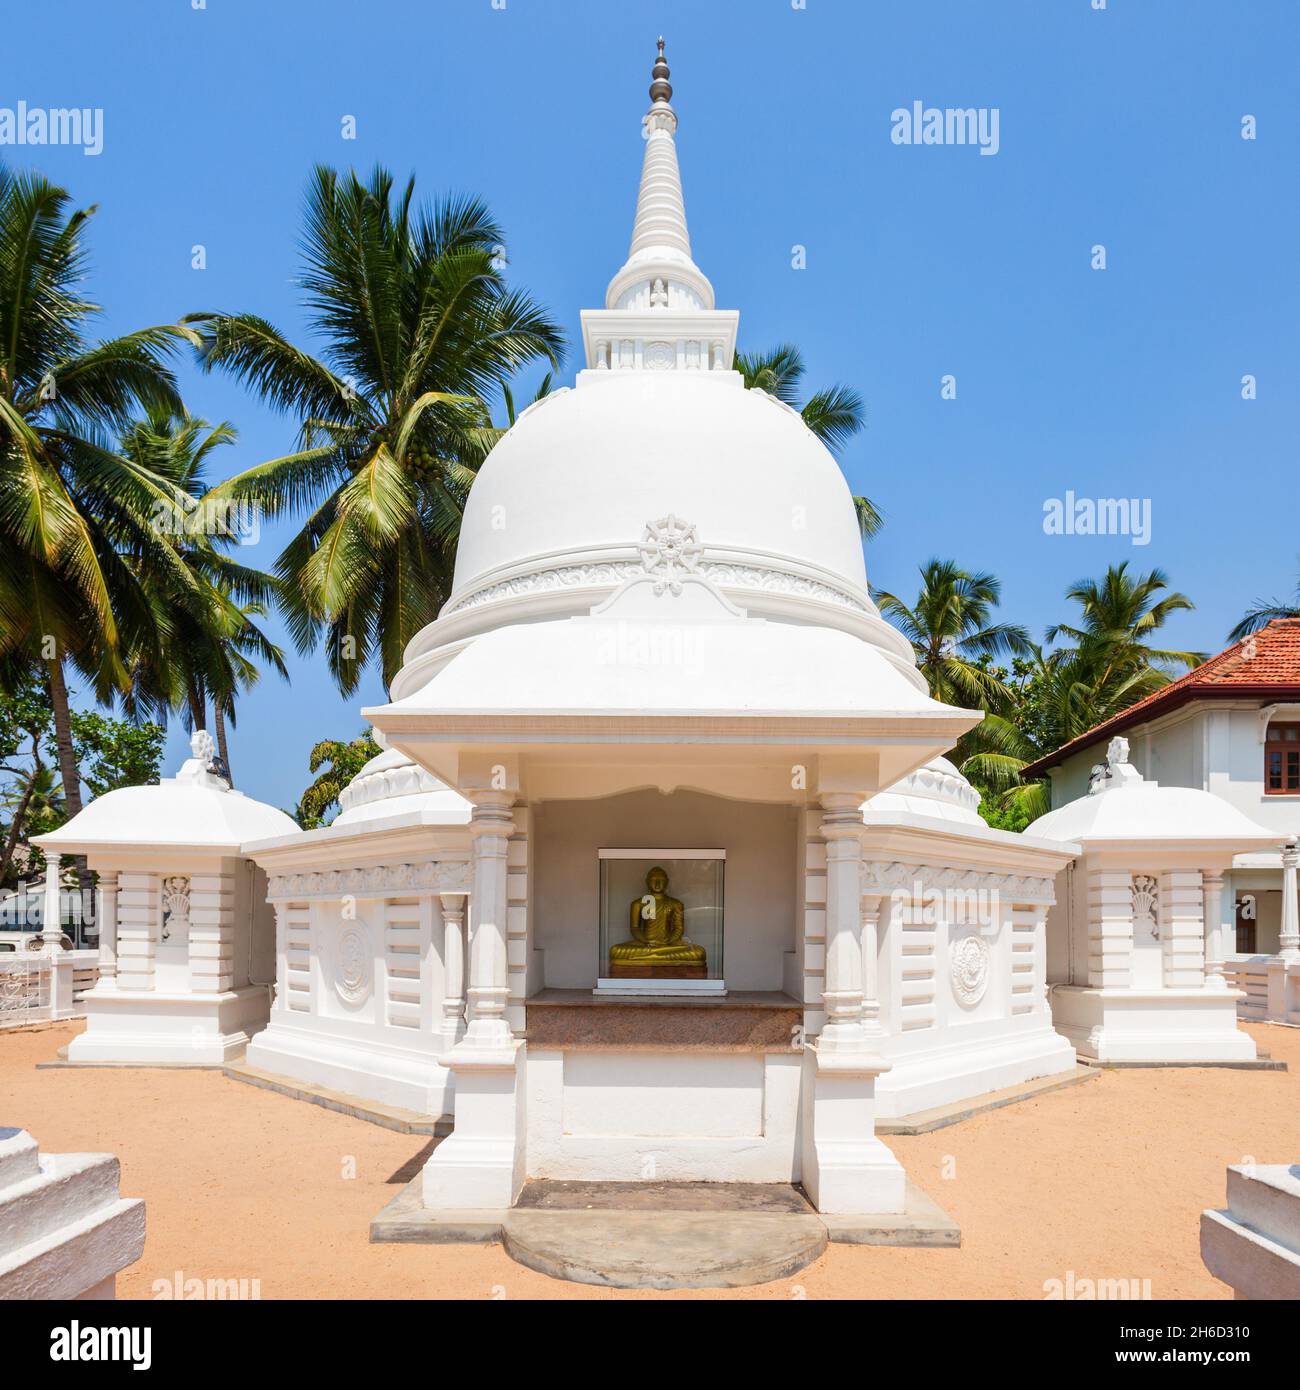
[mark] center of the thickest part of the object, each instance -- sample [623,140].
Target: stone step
[19,1156]
[67,1189]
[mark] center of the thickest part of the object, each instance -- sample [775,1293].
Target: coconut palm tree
[834,415]
[1055,698]
[953,636]
[71,507]
[1119,616]
[209,637]
[418,328]
[1262,612]
[1061,695]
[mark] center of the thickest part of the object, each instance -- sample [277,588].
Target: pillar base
[846,1170]
[481,1163]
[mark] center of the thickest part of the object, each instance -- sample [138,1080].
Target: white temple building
[661,872]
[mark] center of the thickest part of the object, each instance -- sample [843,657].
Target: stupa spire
[659,309]
[659,270]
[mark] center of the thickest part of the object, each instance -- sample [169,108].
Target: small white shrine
[1136,942]
[186,965]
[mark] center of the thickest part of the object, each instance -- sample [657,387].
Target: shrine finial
[661,89]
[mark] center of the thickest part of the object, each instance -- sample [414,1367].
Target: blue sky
[1119,126]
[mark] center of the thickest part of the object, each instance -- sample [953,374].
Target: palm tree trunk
[198,708]
[63,739]
[68,770]
[219,724]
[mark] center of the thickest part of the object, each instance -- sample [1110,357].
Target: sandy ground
[1106,1179]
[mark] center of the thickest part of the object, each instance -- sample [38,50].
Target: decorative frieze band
[878,877]
[377,881]
[611,573]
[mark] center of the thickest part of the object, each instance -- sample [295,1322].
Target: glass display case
[661,921]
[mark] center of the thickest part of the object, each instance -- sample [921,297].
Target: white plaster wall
[381,1041]
[759,910]
[624,1116]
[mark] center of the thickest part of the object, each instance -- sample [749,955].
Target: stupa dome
[658,434]
[577,478]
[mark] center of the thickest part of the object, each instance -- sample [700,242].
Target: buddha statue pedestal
[651,970]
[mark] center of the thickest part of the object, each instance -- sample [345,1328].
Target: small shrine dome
[1121,807]
[937,790]
[391,784]
[197,807]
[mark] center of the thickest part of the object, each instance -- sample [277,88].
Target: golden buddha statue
[658,948]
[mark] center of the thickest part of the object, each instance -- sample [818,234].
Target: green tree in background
[337,763]
[110,753]
[418,330]
[834,415]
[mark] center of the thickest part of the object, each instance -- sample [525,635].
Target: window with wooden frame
[1282,760]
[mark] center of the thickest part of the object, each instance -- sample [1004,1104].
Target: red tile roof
[1266,664]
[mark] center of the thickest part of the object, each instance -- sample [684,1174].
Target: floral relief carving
[1146,907]
[969,966]
[450,876]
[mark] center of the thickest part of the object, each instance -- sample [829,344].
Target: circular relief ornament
[660,357]
[353,975]
[970,970]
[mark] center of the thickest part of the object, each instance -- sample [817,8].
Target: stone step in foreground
[65,1232]
[1254,1245]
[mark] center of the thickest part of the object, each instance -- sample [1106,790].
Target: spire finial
[660,88]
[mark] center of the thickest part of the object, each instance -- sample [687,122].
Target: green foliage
[834,415]
[1054,697]
[953,636]
[110,752]
[341,763]
[113,753]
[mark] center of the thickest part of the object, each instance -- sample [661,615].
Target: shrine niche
[661,921]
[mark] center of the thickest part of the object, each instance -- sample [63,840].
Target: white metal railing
[40,985]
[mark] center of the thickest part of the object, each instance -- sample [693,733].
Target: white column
[280,992]
[846,1169]
[51,917]
[843,993]
[1110,930]
[453,967]
[139,916]
[871,1024]
[1212,886]
[211,933]
[489,986]
[107,930]
[1289,936]
[1182,929]
[481,1164]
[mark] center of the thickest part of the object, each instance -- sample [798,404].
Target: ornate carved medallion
[969,962]
[670,550]
[354,972]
